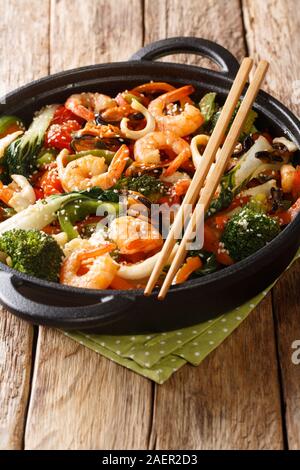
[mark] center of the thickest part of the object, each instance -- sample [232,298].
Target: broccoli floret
[21,155]
[248,231]
[145,184]
[32,252]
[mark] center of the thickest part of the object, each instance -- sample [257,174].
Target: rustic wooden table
[56,394]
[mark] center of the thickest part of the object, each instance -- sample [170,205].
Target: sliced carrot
[121,284]
[191,264]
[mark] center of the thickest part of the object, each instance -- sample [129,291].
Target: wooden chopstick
[202,169]
[216,174]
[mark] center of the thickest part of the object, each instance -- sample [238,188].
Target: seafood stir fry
[80,184]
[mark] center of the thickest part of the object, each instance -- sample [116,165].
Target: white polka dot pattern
[158,356]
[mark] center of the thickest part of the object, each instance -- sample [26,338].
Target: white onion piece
[248,163]
[36,216]
[291,146]
[150,124]
[261,189]
[201,139]
[143,269]
[7,140]
[24,198]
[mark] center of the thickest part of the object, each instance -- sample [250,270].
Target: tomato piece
[170,200]
[60,136]
[238,201]
[50,183]
[224,258]
[284,217]
[211,238]
[39,193]
[61,129]
[221,220]
[62,115]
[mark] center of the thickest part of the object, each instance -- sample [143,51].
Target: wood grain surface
[276,41]
[81,400]
[16,336]
[96,404]
[245,395]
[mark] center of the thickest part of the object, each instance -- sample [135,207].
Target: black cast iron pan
[119,312]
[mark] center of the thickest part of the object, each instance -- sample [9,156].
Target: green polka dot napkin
[158,356]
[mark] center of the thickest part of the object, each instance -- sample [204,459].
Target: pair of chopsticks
[209,172]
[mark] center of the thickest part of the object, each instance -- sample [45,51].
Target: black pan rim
[248,263]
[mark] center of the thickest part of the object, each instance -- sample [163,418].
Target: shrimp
[287,173]
[90,171]
[102,131]
[99,266]
[153,87]
[185,123]
[146,149]
[86,105]
[116,113]
[133,235]
[19,194]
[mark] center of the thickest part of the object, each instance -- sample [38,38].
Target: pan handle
[107,309]
[218,54]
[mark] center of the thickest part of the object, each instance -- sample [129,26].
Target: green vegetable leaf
[21,155]
[207,106]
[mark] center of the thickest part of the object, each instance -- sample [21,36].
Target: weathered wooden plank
[89,32]
[272,32]
[79,399]
[169,18]
[272,29]
[232,399]
[287,310]
[82,401]
[24,57]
